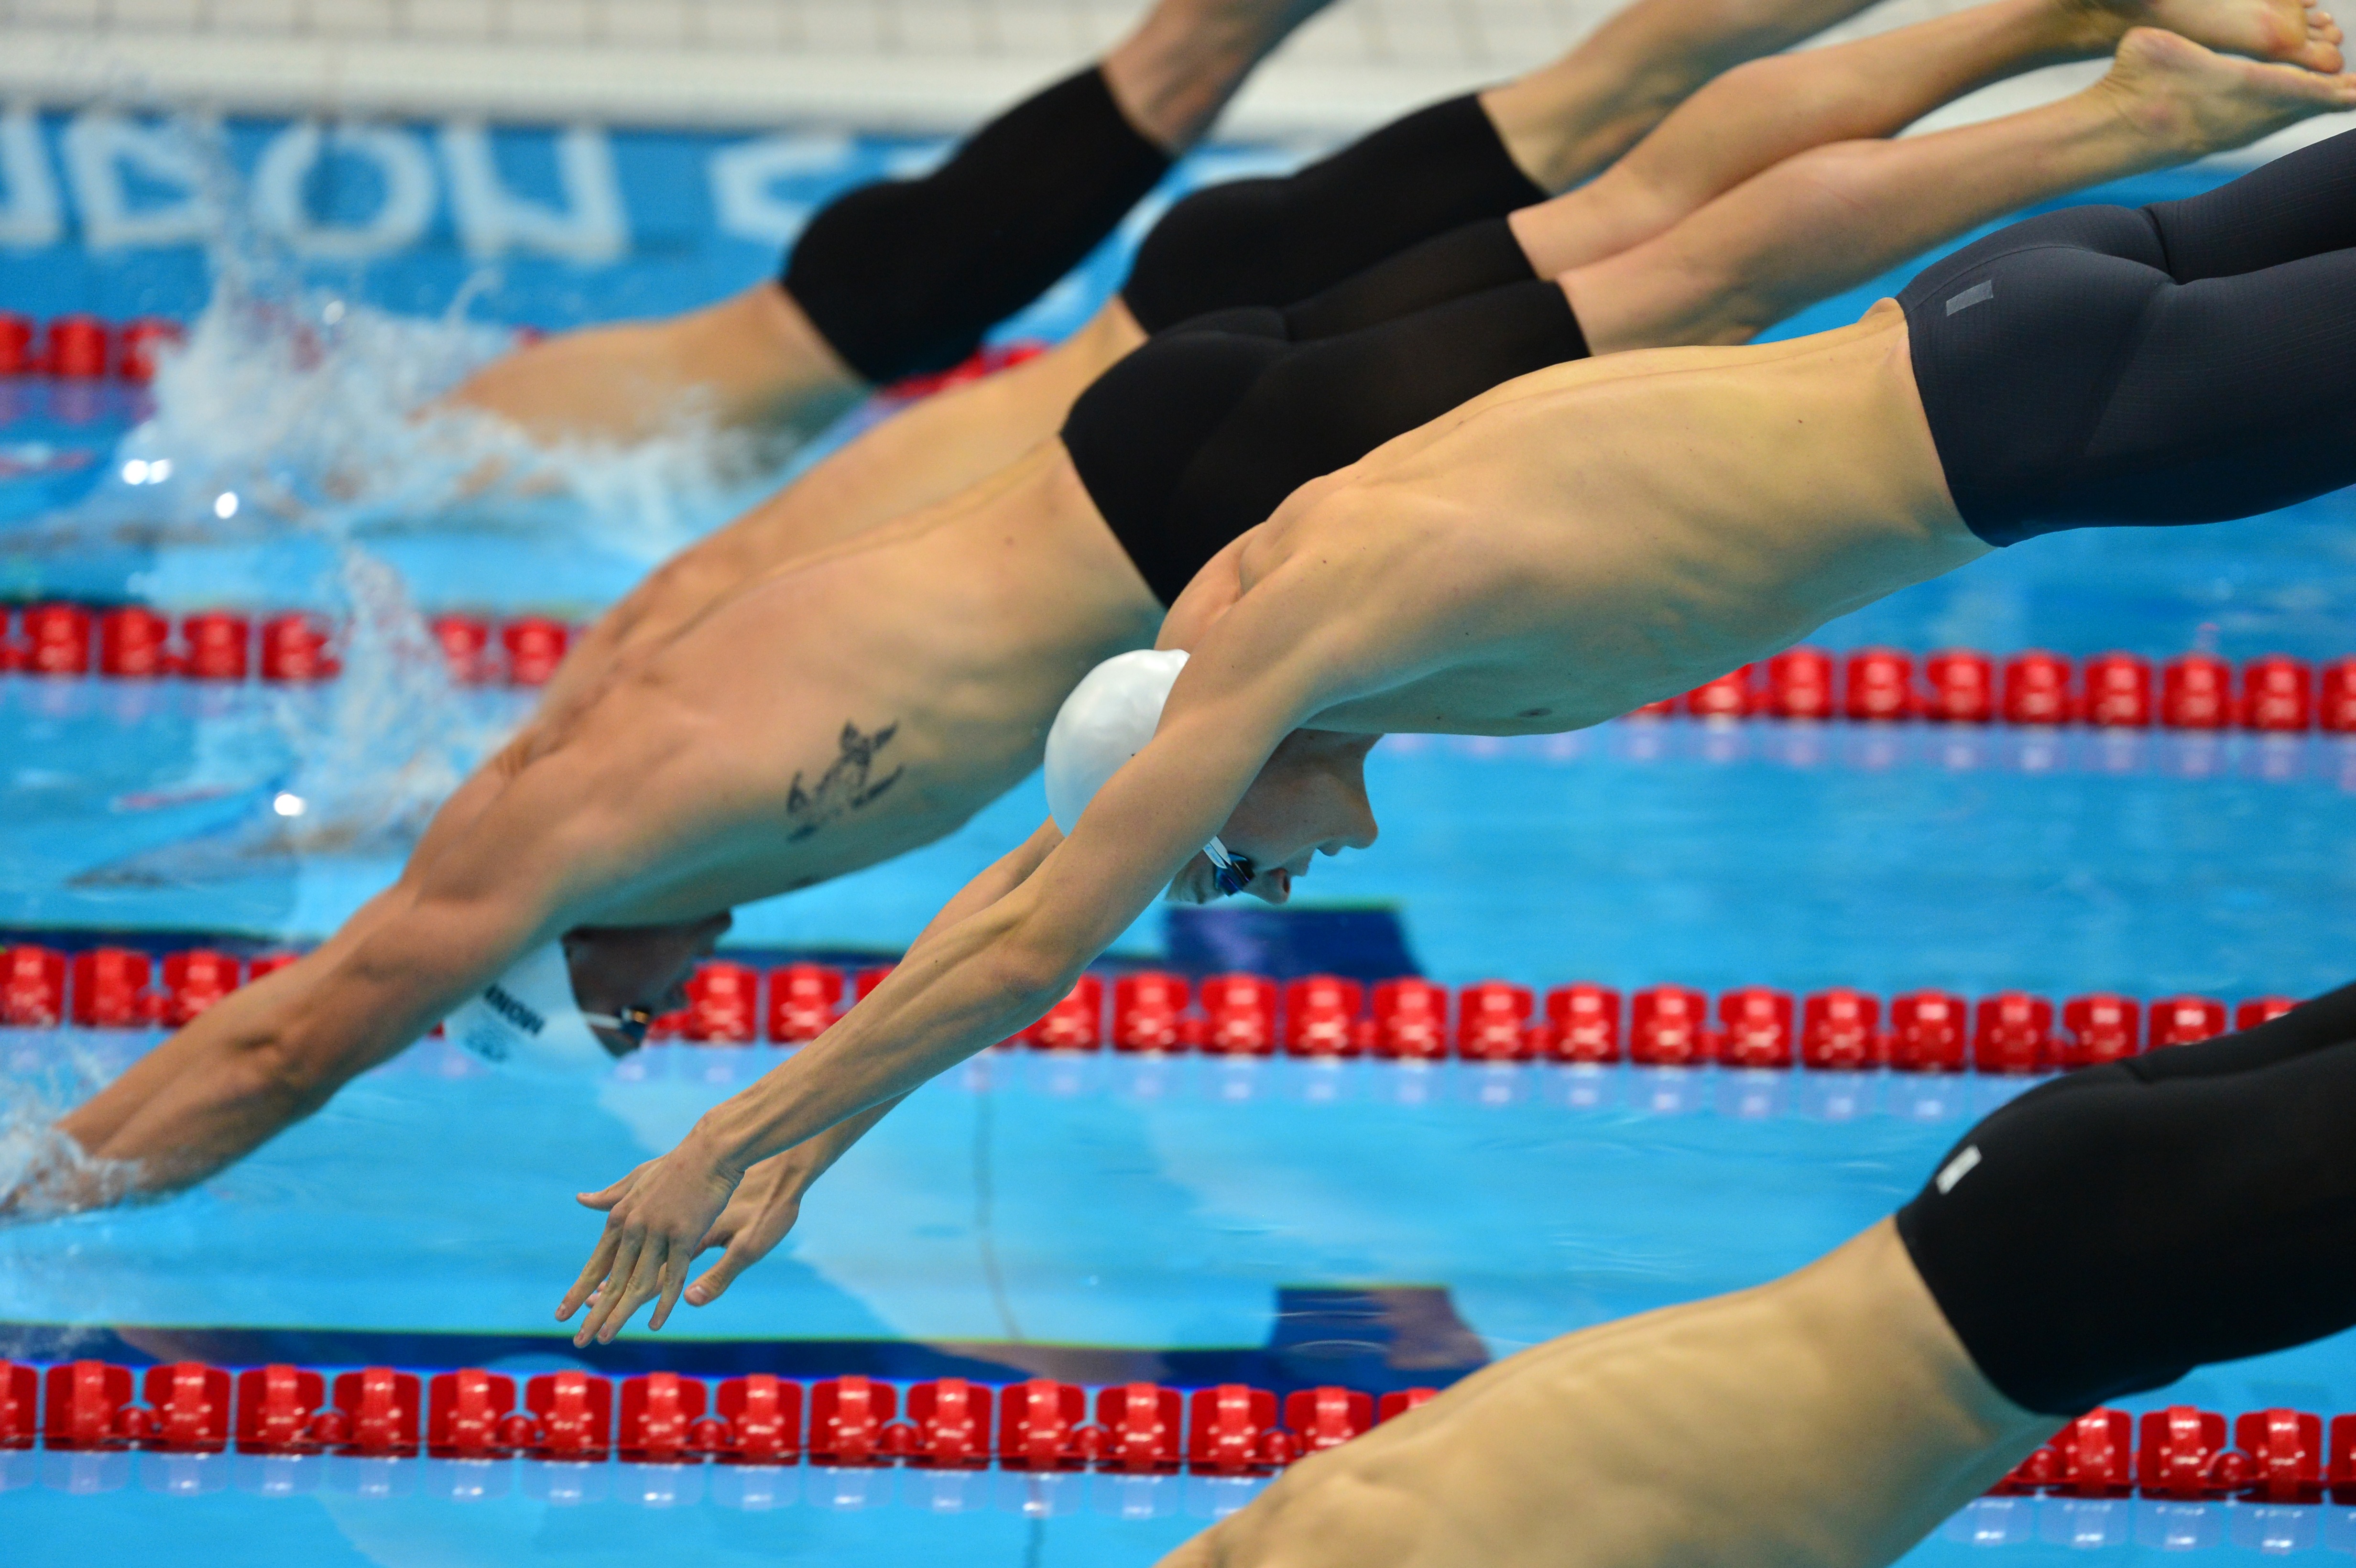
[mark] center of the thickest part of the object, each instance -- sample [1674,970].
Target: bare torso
[1599,535]
[854,703]
[1829,1419]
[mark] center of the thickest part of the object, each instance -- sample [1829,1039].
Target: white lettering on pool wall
[30,214]
[101,150]
[493,220]
[403,167]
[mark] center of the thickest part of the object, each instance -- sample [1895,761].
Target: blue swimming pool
[1098,1218]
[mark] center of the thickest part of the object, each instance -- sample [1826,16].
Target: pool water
[1098,1218]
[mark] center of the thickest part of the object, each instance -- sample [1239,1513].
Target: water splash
[44,1173]
[297,414]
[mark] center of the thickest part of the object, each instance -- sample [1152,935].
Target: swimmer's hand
[45,1173]
[658,1219]
[765,1205]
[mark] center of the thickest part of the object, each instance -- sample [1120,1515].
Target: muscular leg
[1836,216]
[1759,114]
[1567,121]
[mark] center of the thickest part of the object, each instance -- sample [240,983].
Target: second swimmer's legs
[1837,216]
[1770,109]
[902,275]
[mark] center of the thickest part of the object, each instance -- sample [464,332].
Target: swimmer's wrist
[712,1148]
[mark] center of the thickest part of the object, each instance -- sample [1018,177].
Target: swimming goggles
[630,1023]
[1231,872]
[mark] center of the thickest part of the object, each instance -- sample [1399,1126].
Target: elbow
[1040,966]
[285,1077]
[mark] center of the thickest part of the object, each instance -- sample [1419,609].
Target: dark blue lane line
[1376,1337]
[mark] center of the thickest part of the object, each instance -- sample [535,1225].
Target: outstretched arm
[769,1202]
[497,873]
[968,984]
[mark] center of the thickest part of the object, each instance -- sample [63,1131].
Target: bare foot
[2197,102]
[2290,31]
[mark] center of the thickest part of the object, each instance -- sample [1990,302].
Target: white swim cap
[528,1019]
[1107,719]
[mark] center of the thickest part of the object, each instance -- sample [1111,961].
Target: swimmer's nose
[1273,886]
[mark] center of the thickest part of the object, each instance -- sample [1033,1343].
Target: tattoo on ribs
[851,783]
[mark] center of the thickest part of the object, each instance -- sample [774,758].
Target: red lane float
[1231,1430]
[1840,1030]
[81,347]
[1238,1015]
[535,646]
[2273,693]
[1147,1007]
[134,643]
[948,1426]
[2013,1034]
[17,333]
[723,1005]
[1322,1418]
[1492,1022]
[570,1417]
[1042,1426]
[2037,689]
[1142,1429]
[803,1001]
[851,1422]
[20,1395]
[1754,1027]
[32,988]
[1582,1024]
[220,645]
[1410,1021]
[759,1418]
[1322,1016]
[1668,1026]
[465,1413]
[1926,1032]
[2180,1454]
[659,1416]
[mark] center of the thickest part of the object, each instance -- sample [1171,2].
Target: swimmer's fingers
[600,1323]
[641,1285]
[741,1253]
[603,1199]
[672,1279]
[593,1274]
[756,1219]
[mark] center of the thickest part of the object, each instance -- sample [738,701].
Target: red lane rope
[2182,1452]
[732,1004]
[84,348]
[2195,691]
[1230,1429]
